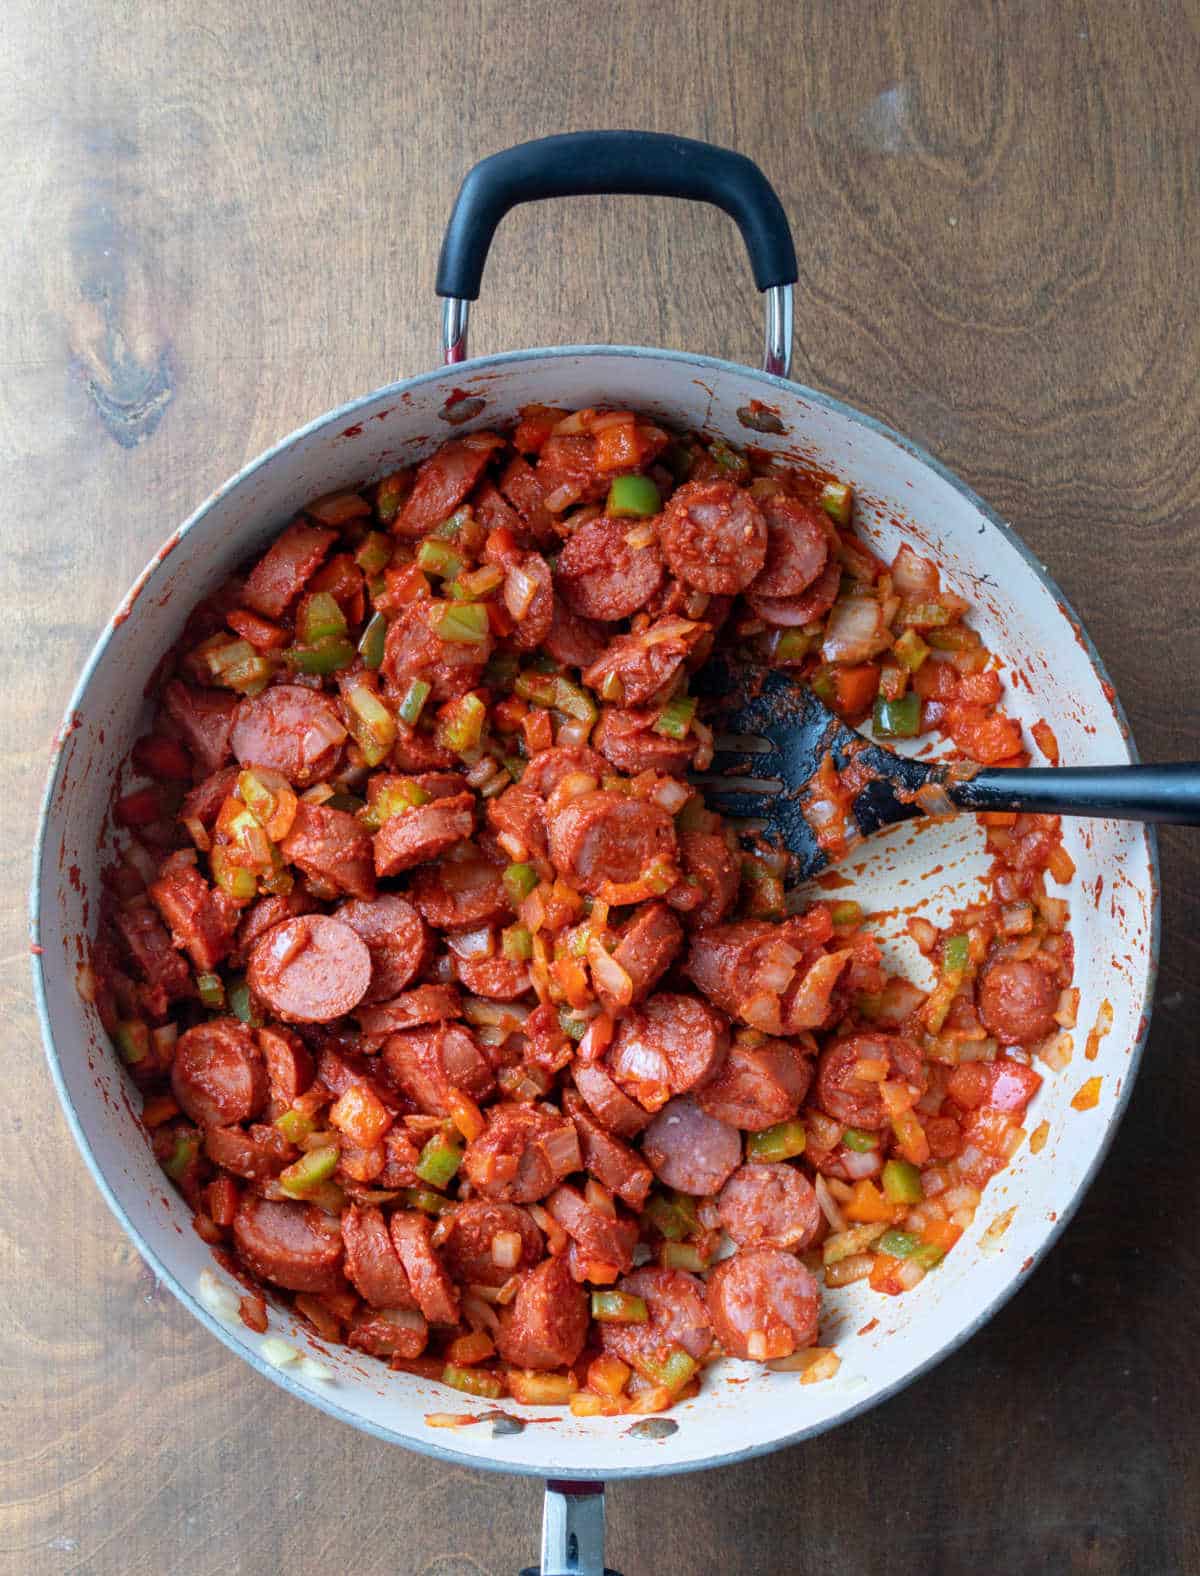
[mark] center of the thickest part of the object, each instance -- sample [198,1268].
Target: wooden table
[222,219]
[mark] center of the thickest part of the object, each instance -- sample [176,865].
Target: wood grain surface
[220,219]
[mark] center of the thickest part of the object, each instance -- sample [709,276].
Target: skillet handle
[572,1531]
[618,163]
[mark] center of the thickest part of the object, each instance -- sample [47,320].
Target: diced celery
[464,623]
[675,718]
[837,500]
[414,700]
[519,881]
[861,1143]
[900,1244]
[304,1175]
[211,990]
[902,1183]
[374,638]
[439,1161]
[320,618]
[619,1307]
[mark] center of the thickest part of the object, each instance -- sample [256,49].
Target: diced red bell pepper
[854,690]
[618,448]
[984,738]
[501,548]
[221,1197]
[979,689]
[535,426]
[260,632]
[253,1313]
[935,681]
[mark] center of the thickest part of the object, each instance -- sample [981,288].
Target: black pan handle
[1168,793]
[617,163]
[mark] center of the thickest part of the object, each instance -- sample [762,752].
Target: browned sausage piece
[606,1238]
[678,1317]
[672,1042]
[521,1155]
[548,767]
[518,819]
[646,950]
[396,938]
[289,1064]
[256,1155]
[468,1253]
[422,833]
[414,650]
[218,1075]
[291,729]
[436,1293]
[201,918]
[530,579]
[428,1063]
[547,1322]
[297,1246]
[204,801]
[691,1150]
[265,915]
[279,576]
[627,739]
[613,1109]
[205,717]
[310,970]
[331,847]
[423,1004]
[497,979]
[152,951]
[764,1293]
[855,1101]
[575,642]
[770,1206]
[797,546]
[456,894]
[601,576]
[620,1168]
[635,668]
[759,1085]
[1017,1001]
[725,961]
[603,836]
[793,612]
[372,1263]
[711,878]
[714,536]
[382,1336]
[443,481]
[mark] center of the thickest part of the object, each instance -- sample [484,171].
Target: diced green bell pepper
[320,617]
[837,499]
[956,954]
[897,719]
[632,497]
[619,1307]
[902,1183]
[900,1244]
[780,1142]
[861,1143]
[674,720]
[374,639]
[519,881]
[463,623]
[414,700]
[306,1174]
[439,1161]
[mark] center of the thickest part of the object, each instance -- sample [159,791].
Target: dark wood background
[220,219]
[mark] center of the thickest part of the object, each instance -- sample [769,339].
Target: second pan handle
[618,163]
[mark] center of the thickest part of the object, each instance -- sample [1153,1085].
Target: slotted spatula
[772,734]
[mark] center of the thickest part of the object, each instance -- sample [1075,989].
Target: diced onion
[573,730]
[640,536]
[778,967]
[809,1005]
[218,1298]
[506,1249]
[312,1369]
[934,799]
[198,833]
[608,974]
[855,631]
[756,1346]
[828,1204]
[520,588]
[478,943]
[915,578]
[861,1166]
[670,794]
[278,1353]
[561,498]
[86,983]
[609,418]
[561,1149]
[405,1318]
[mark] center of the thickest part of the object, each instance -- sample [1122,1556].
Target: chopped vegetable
[897,719]
[464,623]
[303,1176]
[632,497]
[902,1182]
[900,1244]
[435,558]
[460,724]
[473,1381]
[675,718]
[781,1142]
[374,638]
[326,656]
[133,1041]
[837,499]
[211,990]
[439,1162]
[319,618]
[516,943]
[860,1143]
[619,1307]
[519,881]
[956,954]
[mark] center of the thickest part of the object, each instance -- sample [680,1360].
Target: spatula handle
[1169,794]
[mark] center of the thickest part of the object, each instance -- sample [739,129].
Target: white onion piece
[405,1318]
[914,577]
[670,794]
[478,943]
[610,418]
[86,983]
[861,1166]
[810,1004]
[506,1249]
[934,799]
[561,498]
[855,632]
[639,536]
[278,1353]
[573,731]
[520,588]
[312,1369]
[216,1296]
[775,972]
[666,629]
[829,1205]
[608,973]
[561,1149]
[574,425]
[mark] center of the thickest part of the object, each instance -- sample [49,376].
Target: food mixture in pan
[462,1026]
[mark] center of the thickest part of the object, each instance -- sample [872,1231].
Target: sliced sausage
[382,1336]
[332,848]
[613,1109]
[635,668]
[205,717]
[265,915]
[673,1043]
[396,938]
[600,576]
[690,1150]
[764,1292]
[202,919]
[419,752]
[311,969]
[569,460]
[497,979]
[521,1155]
[547,768]
[855,1101]
[456,894]
[422,833]
[605,837]
[204,802]
[289,1065]
[758,1085]
[401,1156]
[467,1251]
[256,1155]
[627,739]
[1017,1001]
[601,1237]
[443,481]
[518,819]
[218,1074]
[438,785]
[291,729]
[619,1167]
[770,1206]
[150,947]
[279,576]
[678,1316]
[428,1062]
[524,489]
[647,948]
[414,650]
[711,878]
[546,1324]
[435,1293]
[494,512]
[534,623]
[732,964]
[423,1004]
[372,1263]
[797,546]
[793,612]
[714,537]
[575,642]
[297,1246]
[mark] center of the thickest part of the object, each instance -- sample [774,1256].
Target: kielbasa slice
[202,919]
[205,717]
[613,1109]
[608,1239]
[619,1167]
[1017,1001]
[291,729]
[396,938]
[435,1293]
[733,964]
[266,914]
[279,575]
[711,878]
[422,833]
[759,1085]
[443,481]
[467,1251]
[456,894]
[423,1004]
[546,1324]
[793,612]
[547,768]
[521,1155]
[797,546]
[311,969]
[767,1293]
[646,950]
[203,803]
[690,1150]
[518,819]
[497,979]
[635,668]
[605,837]
[533,625]
[413,649]
[627,739]
[297,1246]
[672,1043]
[770,1206]
[256,1155]
[151,950]
[428,1062]
[372,1264]
[332,848]
[289,1065]
[601,576]
[218,1075]
[678,1316]
[855,1101]
[575,642]
[714,537]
